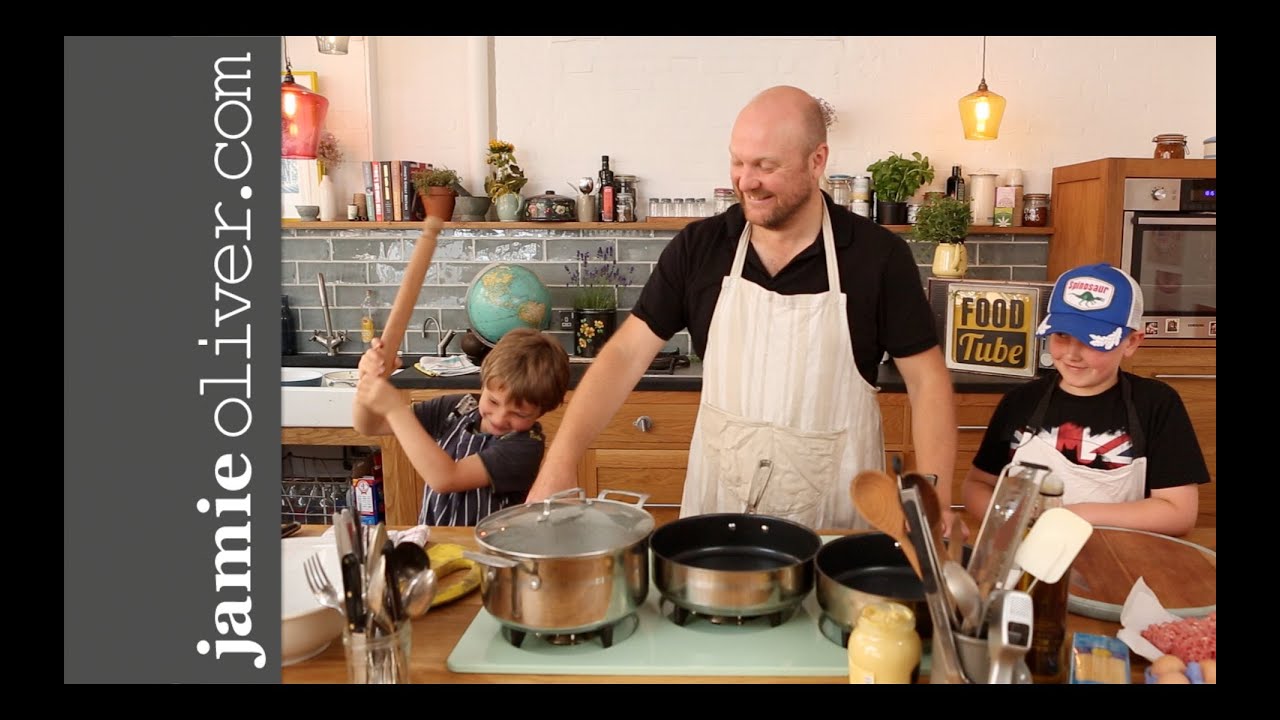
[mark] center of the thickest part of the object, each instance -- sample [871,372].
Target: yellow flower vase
[950,260]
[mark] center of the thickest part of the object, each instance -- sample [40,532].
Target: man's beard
[784,210]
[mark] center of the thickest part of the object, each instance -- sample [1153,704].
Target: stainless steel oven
[1170,247]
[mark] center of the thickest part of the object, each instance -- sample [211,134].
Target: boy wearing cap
[1122,444]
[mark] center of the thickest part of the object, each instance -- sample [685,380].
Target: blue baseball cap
[1099,305]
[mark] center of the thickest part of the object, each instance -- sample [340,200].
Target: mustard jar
[884,647]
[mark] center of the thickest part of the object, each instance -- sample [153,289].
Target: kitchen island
[436,635]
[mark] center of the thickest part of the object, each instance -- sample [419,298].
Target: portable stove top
[657,645]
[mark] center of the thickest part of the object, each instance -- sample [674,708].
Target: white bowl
[307,628]
[300,377]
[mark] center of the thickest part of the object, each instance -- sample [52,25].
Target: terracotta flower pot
[439,202]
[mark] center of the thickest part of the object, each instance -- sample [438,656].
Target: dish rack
[313,487]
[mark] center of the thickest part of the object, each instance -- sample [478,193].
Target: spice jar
[1035,210]
[1170,147]
[841,189]
[884,647]
[724,200]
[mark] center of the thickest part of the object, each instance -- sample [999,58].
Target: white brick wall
[662,107]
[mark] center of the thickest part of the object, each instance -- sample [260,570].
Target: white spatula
[1052,544]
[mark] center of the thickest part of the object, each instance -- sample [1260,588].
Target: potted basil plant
[895,179]
[945,221]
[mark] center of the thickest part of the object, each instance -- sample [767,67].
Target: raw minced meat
[1190,639]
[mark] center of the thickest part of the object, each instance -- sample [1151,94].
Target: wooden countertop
[435,636]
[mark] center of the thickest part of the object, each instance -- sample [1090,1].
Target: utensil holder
[975,661]
[381,659]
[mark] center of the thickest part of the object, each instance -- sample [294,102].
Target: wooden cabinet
[1193,372]
[1087,206]
[973,412]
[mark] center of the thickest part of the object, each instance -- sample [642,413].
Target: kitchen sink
[317,406]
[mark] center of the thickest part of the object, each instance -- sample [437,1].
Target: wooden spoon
[410,286]
[875,495]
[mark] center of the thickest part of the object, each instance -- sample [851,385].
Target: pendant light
[982,110]
[332,44]
[301,116]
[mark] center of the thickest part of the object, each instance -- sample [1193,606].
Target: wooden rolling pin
[410,286]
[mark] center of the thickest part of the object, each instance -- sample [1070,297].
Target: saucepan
[568,564]
[856,570]
[734,564]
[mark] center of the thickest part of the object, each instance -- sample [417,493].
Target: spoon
[586,185]
[875,495]
[964,593]
[415,579]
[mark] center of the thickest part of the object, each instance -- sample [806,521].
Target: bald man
[791,301]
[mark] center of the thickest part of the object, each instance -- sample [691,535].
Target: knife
[353,590]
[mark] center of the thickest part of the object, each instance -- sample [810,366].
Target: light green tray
[660,647]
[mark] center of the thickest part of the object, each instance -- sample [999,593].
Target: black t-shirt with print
[512,461]
[887,307]
[1094,431]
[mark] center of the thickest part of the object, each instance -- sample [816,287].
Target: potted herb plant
[945,221]
[595,304]
[895,179]
[435,185]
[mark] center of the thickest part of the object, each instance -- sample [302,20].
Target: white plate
[307,627]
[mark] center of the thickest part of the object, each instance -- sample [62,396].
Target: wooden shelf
[987,230]
[656,224]
[648,224]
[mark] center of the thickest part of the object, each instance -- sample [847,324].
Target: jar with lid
[861,189]
[724,199]
[626,184]
[665,208]
[625,208]
[655,207]
[701,210]
[1170,146]
[841,189]
[1035,210]
[884,647]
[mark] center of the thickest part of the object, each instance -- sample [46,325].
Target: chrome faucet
[329,340]
[444,338]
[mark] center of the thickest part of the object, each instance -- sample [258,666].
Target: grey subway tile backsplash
[355,260]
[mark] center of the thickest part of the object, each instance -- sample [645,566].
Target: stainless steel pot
[735,565]
[568,564]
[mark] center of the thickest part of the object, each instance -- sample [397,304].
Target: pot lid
[566,524]
[552,195]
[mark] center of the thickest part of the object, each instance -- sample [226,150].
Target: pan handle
[640,498]
[763,470]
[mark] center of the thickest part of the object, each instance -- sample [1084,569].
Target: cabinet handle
[972,427]
[643,423]
[1186,377]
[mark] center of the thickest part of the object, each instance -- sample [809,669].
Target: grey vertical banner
[171,399]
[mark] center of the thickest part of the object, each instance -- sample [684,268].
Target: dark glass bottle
[288,334]
[1049,656]
[607,191]
[955,185]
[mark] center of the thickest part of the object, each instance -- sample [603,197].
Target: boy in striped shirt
[476,453]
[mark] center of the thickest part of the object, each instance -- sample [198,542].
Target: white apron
[1084,484]
[779,383]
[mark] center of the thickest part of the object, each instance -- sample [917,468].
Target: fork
[318,580]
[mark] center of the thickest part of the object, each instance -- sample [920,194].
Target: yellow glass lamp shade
[981,112]
[302,114]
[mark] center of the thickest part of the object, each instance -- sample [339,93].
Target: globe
[504,297]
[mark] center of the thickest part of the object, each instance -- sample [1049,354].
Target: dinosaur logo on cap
[1088,293]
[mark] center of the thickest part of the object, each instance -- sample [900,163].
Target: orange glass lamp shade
[302,115]
[981,112]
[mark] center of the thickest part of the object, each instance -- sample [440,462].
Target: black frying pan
[856,570]
[734,564]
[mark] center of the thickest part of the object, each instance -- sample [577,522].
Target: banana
[447,559]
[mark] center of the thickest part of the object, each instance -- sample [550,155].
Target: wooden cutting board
[1182,575]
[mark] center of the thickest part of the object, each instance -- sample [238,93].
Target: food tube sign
[991,328]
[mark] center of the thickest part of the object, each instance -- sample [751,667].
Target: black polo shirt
[888,310]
